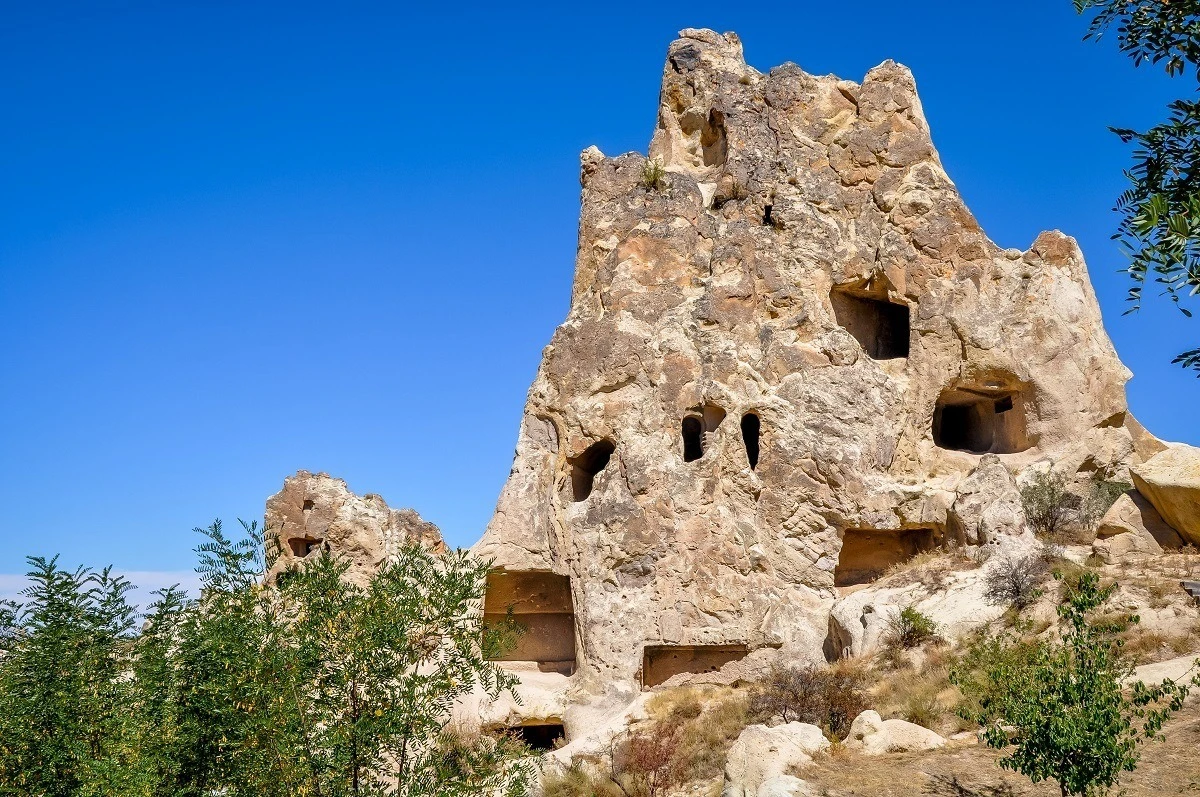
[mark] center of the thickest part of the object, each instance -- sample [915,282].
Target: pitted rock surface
[799,333]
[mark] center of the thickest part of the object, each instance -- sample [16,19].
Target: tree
[64,728]
[322,686]
[1061,707]
[1160,212]
[315,685]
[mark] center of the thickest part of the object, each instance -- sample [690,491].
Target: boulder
[758,763]
[873,735]
[1126,547]
[988,504]
[1132,513]
[1170,480]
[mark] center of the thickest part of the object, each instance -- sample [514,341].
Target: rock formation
[792,359]
[315,511]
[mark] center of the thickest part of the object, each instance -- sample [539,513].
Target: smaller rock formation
[1171,481]
[1132,528]
[315,512]
[759,761]
[873,735]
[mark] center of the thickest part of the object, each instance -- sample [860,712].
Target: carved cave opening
[544,737]
[881,327]
[303,546]
[868,553]
[584,467]
[751,426]
[662,662]
[542,606]
[982,420]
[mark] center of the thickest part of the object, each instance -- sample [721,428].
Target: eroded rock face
[797,334]
[315,511]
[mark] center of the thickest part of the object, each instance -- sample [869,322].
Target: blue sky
[239,239]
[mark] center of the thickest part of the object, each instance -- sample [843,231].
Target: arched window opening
[982,419]
[750,432]
[693,438]
[585,467]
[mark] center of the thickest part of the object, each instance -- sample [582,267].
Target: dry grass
[929,567]
[921,694]
[1167,768]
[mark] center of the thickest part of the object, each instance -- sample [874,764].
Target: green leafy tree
[1160,212]
[322,686]
[64,728]
[1061,708]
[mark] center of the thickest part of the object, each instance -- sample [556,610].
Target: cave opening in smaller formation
[880,326]
[868,553]
[693,438]
[542,737]
[541,605]
[584,467]
[662,662]
[303,546]
[706,144]
[982,419]
[750,432]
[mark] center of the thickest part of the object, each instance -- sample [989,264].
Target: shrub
[646,762]
[1102,494]
[910,628]
[827,697]
[1015,581]
[654,175]
[1049,508]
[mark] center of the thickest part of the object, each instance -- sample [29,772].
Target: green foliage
[1060,707]
[654,175]
[64,728]
[1160,224]
[910,629]
[318,686]
[1056,514]
[1049,508]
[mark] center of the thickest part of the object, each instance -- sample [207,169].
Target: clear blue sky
[239,239]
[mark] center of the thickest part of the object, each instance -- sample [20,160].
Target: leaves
[1160,211]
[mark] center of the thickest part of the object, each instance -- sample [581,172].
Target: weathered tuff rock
[313,511]
[1132,528]
[1171,481]
[758,762]
[794,358]
[873,735]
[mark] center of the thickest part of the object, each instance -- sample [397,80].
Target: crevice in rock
[751,427]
